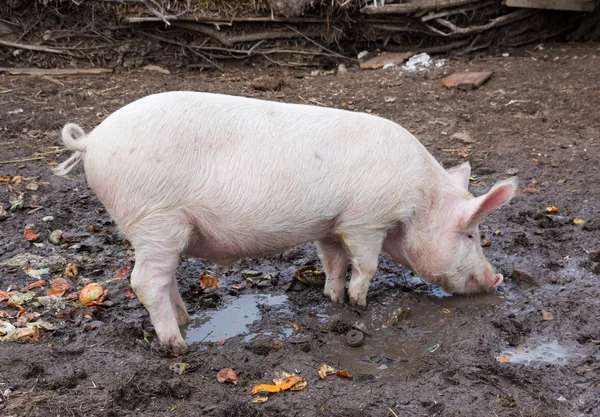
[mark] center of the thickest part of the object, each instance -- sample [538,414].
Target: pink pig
[222,177]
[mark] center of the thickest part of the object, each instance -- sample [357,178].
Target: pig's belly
[226,247]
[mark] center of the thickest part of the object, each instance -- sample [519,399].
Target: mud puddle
[231,320]
[398,335]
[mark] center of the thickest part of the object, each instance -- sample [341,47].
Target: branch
[36,48]
[415,7]
[499,21]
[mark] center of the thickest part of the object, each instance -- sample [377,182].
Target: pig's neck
[411,243]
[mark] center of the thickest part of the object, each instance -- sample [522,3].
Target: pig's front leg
[335,261]
[364,249]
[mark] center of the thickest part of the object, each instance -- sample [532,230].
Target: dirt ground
[538,116]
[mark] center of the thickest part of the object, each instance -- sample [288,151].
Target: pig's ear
[461,174]
[500,194]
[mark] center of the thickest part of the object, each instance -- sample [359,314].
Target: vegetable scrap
[30,235]
[579,222]
[552,209]
[36,284]
[310,275]
[397,315]
[502,359]
[208,281]
[227,375]
[287,382]
[179,367]
[327,370]
[71,271]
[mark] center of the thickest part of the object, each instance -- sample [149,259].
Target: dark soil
[538,115]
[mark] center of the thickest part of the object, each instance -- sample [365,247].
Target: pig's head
[442,243]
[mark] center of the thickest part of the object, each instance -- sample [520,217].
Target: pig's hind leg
[364,248]
[157,252]
[335,261]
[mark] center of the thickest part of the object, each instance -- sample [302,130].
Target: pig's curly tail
[74,138]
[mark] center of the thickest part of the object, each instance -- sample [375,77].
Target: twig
[36,48]
[499,21]
[321,46]
[161,16]
[22,160]
[467,8]
[414,7]
[392,411]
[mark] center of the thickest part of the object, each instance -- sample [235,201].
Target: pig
[222,178]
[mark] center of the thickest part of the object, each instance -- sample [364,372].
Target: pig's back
[236,162]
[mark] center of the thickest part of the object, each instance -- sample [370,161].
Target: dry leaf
[17,179]
[552,209]
[36,284]
[285,384]
[4,179]
[325,370]
[207,281]
[26,334]
[53,163]
[58,288]
[547,316]
[26,318]
[29,234]
[122,273]
[530,190]
[227,375]
[71,271]
[579,222]
[296,327]
[344,374]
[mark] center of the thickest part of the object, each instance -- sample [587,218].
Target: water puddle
[233,319]
[389,351]
[536,353]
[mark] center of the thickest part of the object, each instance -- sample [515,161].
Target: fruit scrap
[29,233]
[552,209]
[59,287]
[227,375]
[207,281]
[502,359]
[326,370]
[91,293]
[35,284]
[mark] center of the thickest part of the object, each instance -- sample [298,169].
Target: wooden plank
[55,71]
[466,80]
[573,5]
[394,58]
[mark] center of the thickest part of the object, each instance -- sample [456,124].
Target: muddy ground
[538,116]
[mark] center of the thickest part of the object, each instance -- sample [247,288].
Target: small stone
[462,137]
[33,186]
[3,213]
[267,83]
[512,171]
[55,237]
[249,273]
[47,218]
[484,171]
[341,70]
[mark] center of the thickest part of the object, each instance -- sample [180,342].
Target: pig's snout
[499,279]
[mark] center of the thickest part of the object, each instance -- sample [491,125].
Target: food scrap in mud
[286,382]
[394,317]
[547,316]
[552,209]
[179,367]
[30,235]
[123,273]
[579,222]
[327,370]
[207,281]
[310,276]
[91,294]
[227,375]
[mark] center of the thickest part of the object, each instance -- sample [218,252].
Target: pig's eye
[470,236]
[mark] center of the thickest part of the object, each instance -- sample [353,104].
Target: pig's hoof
[358,302]
[170,351]
[336,298]
[182,317]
